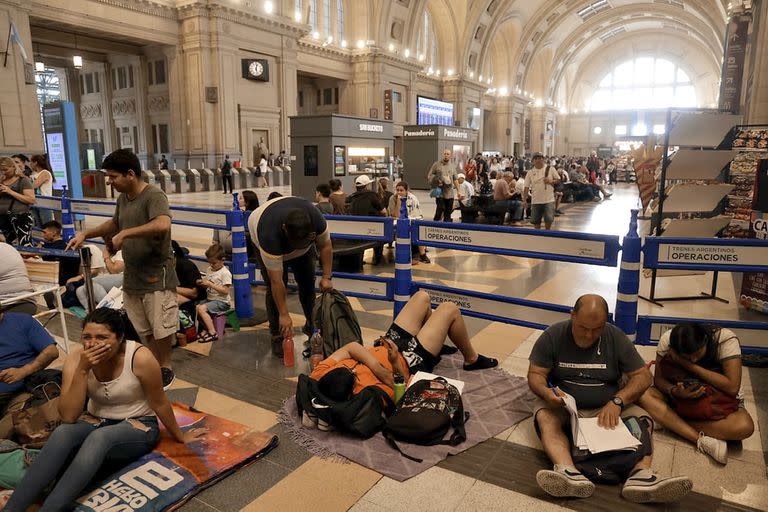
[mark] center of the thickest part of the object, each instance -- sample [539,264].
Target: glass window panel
[682,76]
[150,75]
[621,129]
[685,96]
[163,132]
[89,83]
[327,16]
[640,129]
[155,149]
[130,77]
[607,80]
[601,100]
[659,129]
[160,72]
[313,14]
[339,20]
[96,81]
[665,72]
[622,98]
[643,73]
[622,75]
[663,96]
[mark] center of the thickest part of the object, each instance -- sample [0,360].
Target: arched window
[645,82]
[427,44]
[321,17]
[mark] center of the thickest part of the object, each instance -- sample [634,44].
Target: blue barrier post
[67,223]
[402,258]
[629,281]
[240,281]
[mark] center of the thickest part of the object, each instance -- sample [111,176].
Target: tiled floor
[238,379]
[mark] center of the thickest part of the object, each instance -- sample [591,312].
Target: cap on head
[537,155]
[461,176]
[362,181]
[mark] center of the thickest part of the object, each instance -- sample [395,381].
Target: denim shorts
[543,210]
[215,307]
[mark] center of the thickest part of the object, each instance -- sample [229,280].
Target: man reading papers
[590,359]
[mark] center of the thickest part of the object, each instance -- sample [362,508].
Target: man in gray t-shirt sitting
[588,358]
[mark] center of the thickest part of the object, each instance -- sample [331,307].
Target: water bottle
[316,347]
[288,352]
[399,387]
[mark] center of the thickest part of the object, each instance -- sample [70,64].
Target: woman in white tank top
[119,386]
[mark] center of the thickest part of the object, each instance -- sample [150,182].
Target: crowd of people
[112,393]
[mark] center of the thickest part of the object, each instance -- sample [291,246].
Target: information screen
[429,111]
[57,158]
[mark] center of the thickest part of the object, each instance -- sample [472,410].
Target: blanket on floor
[171,474]
[495,400]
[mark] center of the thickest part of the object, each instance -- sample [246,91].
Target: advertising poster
[339,161]
[733,64]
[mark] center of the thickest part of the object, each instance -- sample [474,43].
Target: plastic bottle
[316,347]
[399,387]
[288,352]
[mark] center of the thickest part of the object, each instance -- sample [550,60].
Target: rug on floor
[494,399]
[174,472]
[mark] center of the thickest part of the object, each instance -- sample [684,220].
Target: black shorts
[417,357]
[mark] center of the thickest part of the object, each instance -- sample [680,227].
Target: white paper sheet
[601,439]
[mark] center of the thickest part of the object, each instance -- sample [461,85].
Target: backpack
[425,414]
[614,467]
[337,321]
[363,415]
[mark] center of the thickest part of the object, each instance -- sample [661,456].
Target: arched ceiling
[540,45]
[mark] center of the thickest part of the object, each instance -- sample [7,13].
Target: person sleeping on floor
[414,342]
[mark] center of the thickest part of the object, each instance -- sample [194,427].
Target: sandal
[207,337]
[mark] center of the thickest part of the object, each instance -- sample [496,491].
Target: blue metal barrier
[403,273]
[239,269]
[752,335]
[719,254]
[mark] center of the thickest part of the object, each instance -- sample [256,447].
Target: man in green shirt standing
[141,228]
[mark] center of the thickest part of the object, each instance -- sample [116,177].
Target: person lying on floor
[696,361]
[588,357]
[120,382]
[414,342]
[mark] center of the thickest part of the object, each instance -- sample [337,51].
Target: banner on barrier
[695,254]
[595,249]
[497,307]
[751,334]
[203,218]
[48,203]
[363,228]
[100,208]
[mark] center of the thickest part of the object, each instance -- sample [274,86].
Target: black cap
[537,155]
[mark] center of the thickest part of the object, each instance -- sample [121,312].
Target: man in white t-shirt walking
[541,181]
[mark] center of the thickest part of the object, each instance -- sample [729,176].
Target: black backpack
[361,416]
[614,467]
[425,414]
[334,316]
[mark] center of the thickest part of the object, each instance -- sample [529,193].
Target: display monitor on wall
[431,111]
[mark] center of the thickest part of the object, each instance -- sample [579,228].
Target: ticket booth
[423,145]
[337,146]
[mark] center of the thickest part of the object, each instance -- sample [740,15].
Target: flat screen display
[429,111]
[57,158]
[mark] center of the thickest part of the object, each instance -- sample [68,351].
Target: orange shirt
[364,377]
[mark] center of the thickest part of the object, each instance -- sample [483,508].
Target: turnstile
[179,182]
[163,180]
[149,177]
[277,177]
[246,178]
[286,175]
[208,180]
[194,179]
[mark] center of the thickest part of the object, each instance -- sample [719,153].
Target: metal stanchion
[629,281]
[85,261]
[240,279]
[67,223]
[403,275]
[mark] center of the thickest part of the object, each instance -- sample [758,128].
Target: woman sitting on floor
[414,342]
[121,382]
[694,363]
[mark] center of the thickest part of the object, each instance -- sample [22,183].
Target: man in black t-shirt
[68,267]
[587,358]
[290,230]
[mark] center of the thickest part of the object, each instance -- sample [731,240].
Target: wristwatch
[618,401]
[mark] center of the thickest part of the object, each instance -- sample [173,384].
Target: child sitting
[217,282]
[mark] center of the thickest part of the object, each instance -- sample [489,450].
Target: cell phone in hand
[692,383]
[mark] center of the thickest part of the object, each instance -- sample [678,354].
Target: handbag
[14,461]
[34,424]
[712,405]
[436,192]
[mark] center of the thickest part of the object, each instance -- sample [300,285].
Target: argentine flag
[15,37]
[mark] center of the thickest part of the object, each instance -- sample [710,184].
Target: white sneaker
[565,481]
[323,426]
[647,487]
[715,448]
[308,420]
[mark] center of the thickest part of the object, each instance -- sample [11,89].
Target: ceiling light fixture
[407,53]
[343,43]
[297,16]
[360,44]
[268,7]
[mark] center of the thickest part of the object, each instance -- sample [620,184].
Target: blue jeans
[91,445]
[512,206]
[102,283]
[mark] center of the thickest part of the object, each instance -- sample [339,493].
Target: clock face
[255,68]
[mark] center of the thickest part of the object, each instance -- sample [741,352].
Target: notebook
[588,435]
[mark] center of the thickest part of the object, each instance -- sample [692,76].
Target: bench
[348,254]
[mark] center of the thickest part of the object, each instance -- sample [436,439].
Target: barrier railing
[752,335]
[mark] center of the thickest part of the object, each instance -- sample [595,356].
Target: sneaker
[559,212]
[647,487]
[424,258]
[565,481]
[596,199]
[608,195]
[308,420]
[168,377]
[323,426]
[715,448]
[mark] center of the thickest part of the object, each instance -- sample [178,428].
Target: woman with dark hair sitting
[120,383]
[697,388]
